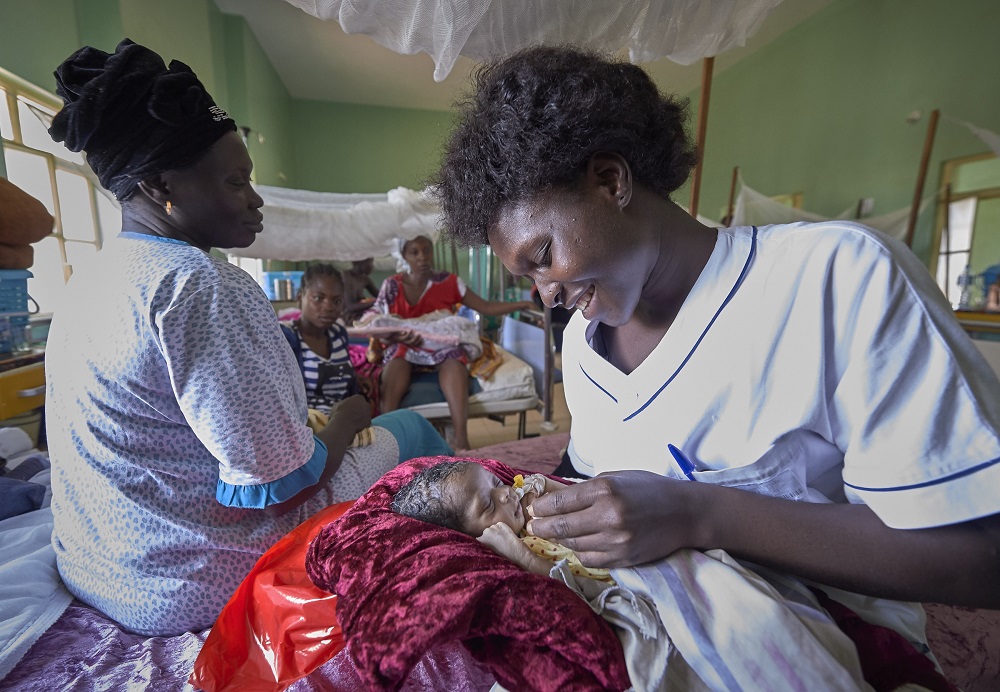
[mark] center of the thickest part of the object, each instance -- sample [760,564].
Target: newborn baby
[464,496]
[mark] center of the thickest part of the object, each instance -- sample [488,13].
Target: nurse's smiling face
[579,247]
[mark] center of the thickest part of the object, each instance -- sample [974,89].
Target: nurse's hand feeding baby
[606,520]
[592,502]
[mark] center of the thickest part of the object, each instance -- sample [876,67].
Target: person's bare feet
[460,444]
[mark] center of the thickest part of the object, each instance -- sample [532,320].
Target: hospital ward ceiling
[317,60]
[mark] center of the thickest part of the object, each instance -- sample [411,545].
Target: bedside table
[22,383]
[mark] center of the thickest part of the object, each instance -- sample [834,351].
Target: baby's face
[484,500]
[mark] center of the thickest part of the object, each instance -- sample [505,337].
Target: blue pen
[686,466]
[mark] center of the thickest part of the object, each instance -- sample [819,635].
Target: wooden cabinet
[22,385]
[980,325]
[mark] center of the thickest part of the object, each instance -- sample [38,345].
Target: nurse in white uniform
[837,422]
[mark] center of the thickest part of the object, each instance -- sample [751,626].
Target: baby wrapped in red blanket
[404,587]
[464,496]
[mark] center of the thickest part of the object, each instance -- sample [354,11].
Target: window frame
[15,90]
[945,199]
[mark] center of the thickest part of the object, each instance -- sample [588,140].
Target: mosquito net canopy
[684,31]
[754,208]
[305,225]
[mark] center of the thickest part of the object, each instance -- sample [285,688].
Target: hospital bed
[523,382]
[508,391]
[49,641]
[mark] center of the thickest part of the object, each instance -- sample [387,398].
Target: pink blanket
[405,587]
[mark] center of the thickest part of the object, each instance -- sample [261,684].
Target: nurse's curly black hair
[424,496]
[534,119]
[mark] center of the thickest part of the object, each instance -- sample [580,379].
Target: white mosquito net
[753,208]
[684,31]
[305,225]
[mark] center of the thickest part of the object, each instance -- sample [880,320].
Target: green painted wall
[36,36]
[258,100]
[976,175]
[179,29]
[822,110]
[233,54]
[268,114]
[217,26]
[348,148]
[99,23]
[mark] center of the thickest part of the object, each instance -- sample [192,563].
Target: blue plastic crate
[13,308]
[14,293]
[268,279]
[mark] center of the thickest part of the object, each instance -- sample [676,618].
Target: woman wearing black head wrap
[133,115]
[177,412]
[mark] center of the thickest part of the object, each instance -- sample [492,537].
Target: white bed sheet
[511,389]
[514,379]
[32,596]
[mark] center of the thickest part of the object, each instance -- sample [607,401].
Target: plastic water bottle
[965,284]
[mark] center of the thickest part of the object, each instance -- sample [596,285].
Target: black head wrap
[133,116]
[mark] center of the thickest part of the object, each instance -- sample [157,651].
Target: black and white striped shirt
[328,380]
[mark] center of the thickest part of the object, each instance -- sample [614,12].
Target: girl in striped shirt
[319,341]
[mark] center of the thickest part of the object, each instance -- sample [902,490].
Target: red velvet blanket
[404,587]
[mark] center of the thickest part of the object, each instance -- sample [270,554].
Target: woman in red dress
[416,292]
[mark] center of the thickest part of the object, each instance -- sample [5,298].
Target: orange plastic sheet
[278,626]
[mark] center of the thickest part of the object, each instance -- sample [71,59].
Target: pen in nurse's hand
[686,466]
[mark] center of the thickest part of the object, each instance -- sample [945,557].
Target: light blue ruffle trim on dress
[277,491]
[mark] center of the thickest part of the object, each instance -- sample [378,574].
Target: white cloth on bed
[32,595]
[729,629]
[180,379]
[813,362]
[698,621]
[14,443]
[440,330]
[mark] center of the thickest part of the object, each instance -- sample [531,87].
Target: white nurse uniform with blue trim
[814,362]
